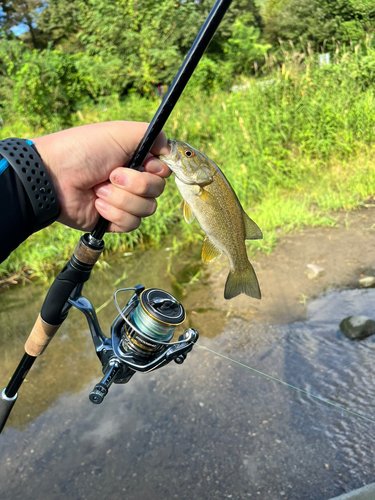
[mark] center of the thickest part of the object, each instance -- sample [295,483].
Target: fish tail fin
[244,281]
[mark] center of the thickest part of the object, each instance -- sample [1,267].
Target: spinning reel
[140,336]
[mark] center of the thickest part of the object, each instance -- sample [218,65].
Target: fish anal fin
[210,252]
[188,213]
[252,231]
[244,281]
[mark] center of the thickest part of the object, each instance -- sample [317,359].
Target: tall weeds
[295,142]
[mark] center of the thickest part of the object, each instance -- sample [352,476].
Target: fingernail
[104,190]
[119,179]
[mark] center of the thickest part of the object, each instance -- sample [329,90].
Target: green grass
[296,146]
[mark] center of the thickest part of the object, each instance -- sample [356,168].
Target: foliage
[16,12]
[319,23]
[48,87]
[97,50]
[58,24]
[294,145]
[244,48]
[294,138]
[139,43]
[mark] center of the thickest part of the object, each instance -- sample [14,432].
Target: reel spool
[151,324]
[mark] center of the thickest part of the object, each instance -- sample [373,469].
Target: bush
[48,87]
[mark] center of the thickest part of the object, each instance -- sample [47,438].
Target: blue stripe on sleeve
[3,165]
[30,143]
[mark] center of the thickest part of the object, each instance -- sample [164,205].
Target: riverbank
[345,252]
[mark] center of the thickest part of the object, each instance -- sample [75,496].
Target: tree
[318,22]
[16,12]
[59,24]
[247,11]
[151,38]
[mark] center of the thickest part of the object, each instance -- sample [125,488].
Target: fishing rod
[141,334]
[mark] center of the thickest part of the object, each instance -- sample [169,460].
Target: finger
[112,228]
[154,166]
[139,183]
[128,135]
[124,221]
[123,200]
[161,146]
[100,147]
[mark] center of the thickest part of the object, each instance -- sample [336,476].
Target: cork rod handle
[40,336]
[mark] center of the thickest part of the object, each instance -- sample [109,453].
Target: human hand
[81,160]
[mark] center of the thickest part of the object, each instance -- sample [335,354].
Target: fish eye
[189,153]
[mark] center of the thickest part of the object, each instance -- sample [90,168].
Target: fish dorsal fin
[208,198]
[209,251]
[252,231]
[188,213]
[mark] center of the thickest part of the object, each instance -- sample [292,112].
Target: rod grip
[40,336]
[6,405]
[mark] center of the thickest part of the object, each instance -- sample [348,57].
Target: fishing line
[287,385]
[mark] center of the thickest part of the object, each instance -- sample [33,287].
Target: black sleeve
[16,213]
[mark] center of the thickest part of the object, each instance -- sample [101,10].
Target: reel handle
[101,389]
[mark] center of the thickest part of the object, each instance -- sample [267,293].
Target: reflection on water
[208,429]
[70,360]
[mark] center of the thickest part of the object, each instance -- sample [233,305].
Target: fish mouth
[167,158]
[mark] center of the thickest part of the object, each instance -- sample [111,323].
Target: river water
[208,429]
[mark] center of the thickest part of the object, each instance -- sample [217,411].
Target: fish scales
[209,197]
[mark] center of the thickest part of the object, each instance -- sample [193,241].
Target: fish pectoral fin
[188,213]
[208,198]
[181,206]
[252,231]
[210,252]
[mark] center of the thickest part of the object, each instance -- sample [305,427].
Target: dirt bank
[345,251]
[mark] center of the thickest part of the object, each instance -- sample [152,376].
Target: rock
[367,281]
[357,327]
[314,271]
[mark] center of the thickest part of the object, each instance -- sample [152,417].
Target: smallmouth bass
[208,197]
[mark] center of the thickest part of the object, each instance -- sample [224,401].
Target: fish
[208,197]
